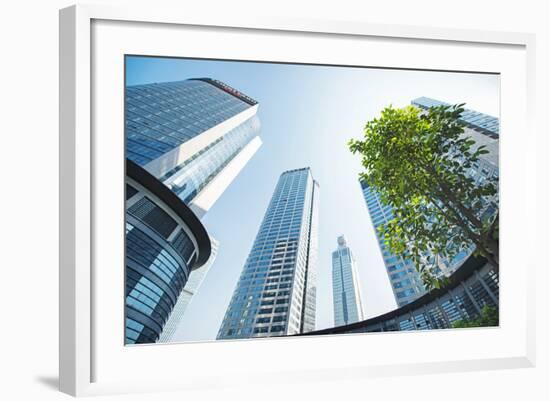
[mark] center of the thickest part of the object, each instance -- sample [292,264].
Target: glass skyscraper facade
[187,140]
[276,292]
[193,135]
[190,177]
[196,277]
[484,130]
[405,281]
[346,293]
[484,123]
[162,116]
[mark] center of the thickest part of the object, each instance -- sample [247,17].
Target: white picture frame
[91,364]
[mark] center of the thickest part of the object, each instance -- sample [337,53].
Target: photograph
[242,200]
[270,199]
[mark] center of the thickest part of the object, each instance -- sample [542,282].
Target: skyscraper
[484,130]
[191,287]
[276,292]
[194,136]
[405,280]
[406,283]
[185,142]
[346,294]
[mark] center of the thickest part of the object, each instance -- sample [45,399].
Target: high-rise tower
[346,293]
[484,130]
[405,280]
[194,136]
[185,142]
[276,292]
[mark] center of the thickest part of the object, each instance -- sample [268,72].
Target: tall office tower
[185,142]
[484,130]
[276,292]
[191,287]
[346,294]
[193,135]
[406,282]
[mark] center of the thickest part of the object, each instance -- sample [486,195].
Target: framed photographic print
[270,198]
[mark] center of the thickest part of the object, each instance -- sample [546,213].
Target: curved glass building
[165,241]
[472,286]
[197,276]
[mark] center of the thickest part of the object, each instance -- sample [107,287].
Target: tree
[488,318]
[418,162]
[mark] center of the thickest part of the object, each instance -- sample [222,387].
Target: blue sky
[307,113]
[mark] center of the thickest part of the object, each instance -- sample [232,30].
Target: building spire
[342,241]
